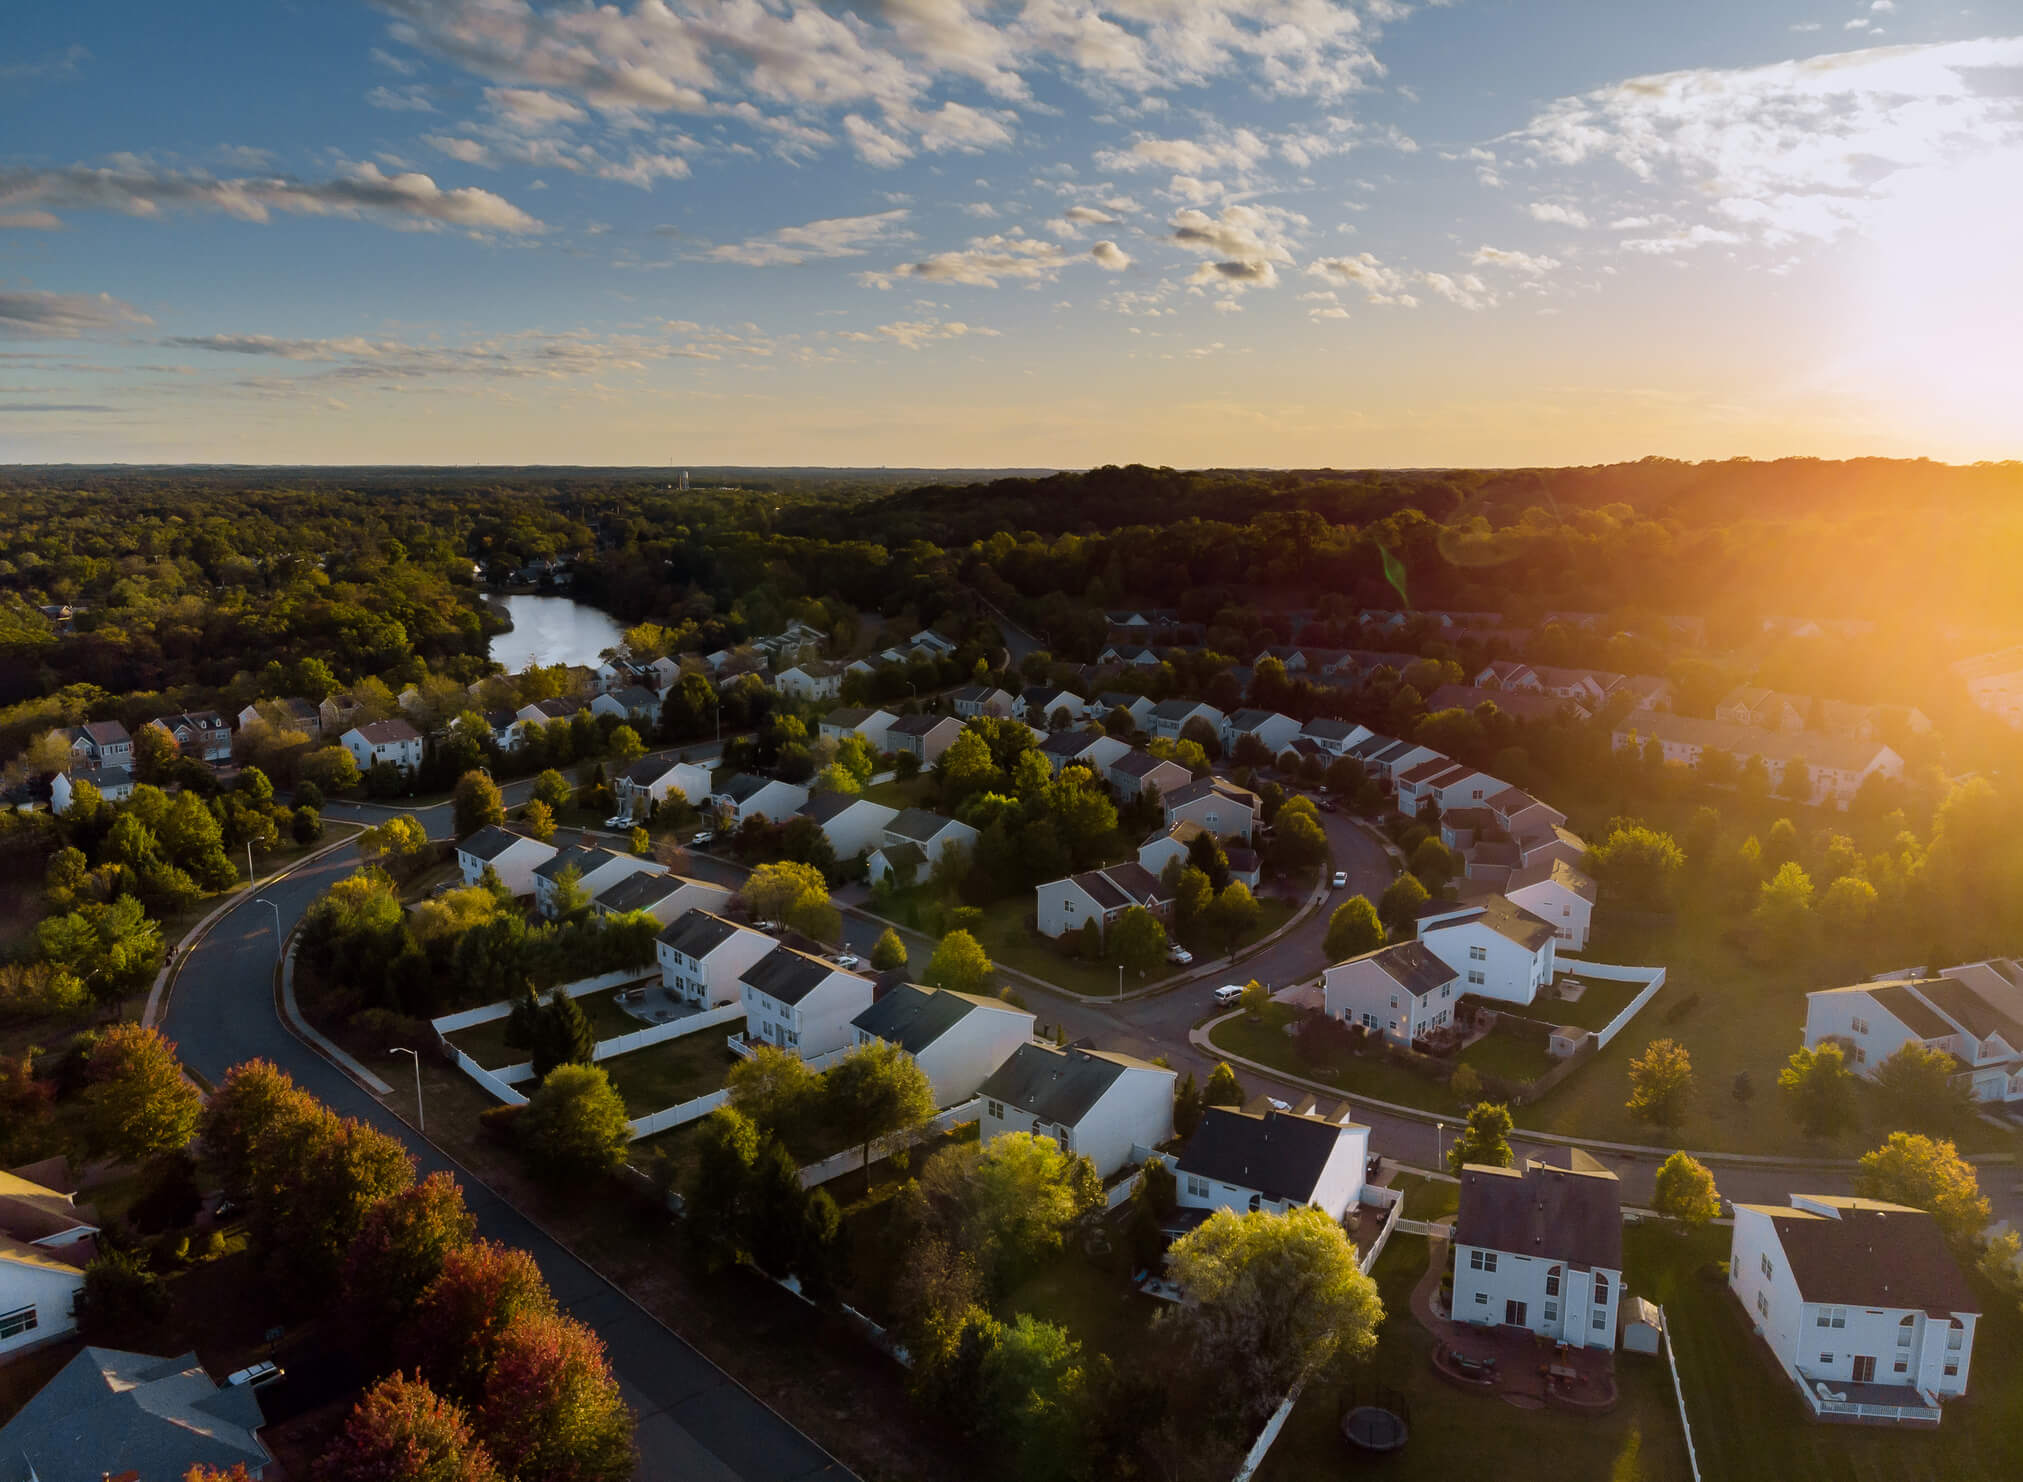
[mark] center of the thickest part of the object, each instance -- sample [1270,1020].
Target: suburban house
[546,712]
[1130,655]
[980,699]
[745,796]
[514,857]
[597,871]
[1836,766]
[1646,691]
[870,724]
[1585,687]
[652,780]
[114,784]
[1217,804]
[1558,894]
[1540,1248]
[1039,704]
[1403,992]
[1100,896]
[1092,1102]
[203,734]
[1860,1302]
[392,741]
[852,824]
[1750,705]
[1520,815]
[916,839]
[664,897]
[931,643]
[46,1241]
[1501,950]
[632,703]
[1089,749]
[132,1417]
[801,1003]
[1335,737]
[1134,771]
[1448,784]
[1392,762]
[102,742]
[1170,717]
[294,713]
[1276,1161]
[1274,730]
[1973,1012]
[816,679]
[924,736]
[615,674]
[957,1039]
[1995,683]
[703,957]
[1505,674]
[1138,707]
[1522,704]
[505,728]
[1156,852]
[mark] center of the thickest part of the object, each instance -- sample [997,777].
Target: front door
[1864,1369]
[1514,1313]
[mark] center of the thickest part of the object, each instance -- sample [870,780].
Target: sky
[1010,233]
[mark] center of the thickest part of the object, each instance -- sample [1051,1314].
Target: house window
[1552,1282]
[1197,1188]
[1482,1299]
[1482,1260]
[995,1109]
[1476,978]
[1826,1358]
[1446,990]
[1904,1331]
[1832,1317]
[1860,1055]
[1763,1304]
[1956,1336]
[1952,1368]
[1903,1366]
[1552,1312]
[1766,1267]
[14,1324]
[1860,1026]
[1478,954]
[1394,1000]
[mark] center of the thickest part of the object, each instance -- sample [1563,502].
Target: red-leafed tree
[403,1431]
[254,1097]
[453,1332]
[551,1408]
[399,1251]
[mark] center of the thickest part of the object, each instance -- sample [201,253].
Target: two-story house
[103,743]
[46,1241]
[703,957]
[513,857]
[798,1002]
[1335,737]
[815,679]
[852,824]
[1275,1161]
[1109,702]
[1540,1248]
[653,780]
[1559,894]
[597,870]
[394,742]
[292,713]
[1501,950]
[202,734]
[916,839]
[957,1039]
[1402,992]
[1176,842]
[868,723]
[1134,771]
[1860,1302]
[980,699]
[1169,717]
[1045,705]
[1973,1012]
[1093,1102]
[745,796]
[664,897]
[1275,732]
[924,736]
[1101,896]
[1217,804]
[1089,749]
[633,704]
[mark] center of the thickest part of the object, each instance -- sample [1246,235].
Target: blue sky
[1045,232]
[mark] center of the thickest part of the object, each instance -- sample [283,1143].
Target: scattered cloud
[1379,284]
[917,334]
[50,65]
[836,236]
[1522,262]
[1469,291]
[29,221]
[28,315]
[984,263]
[1111,256]
[1557,214]
[410,99]
[531,108]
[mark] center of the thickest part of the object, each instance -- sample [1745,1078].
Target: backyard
[486,1042]
[671,1072]
[1011,943]
[1264,1040]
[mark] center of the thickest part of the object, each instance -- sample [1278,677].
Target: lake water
[552,630]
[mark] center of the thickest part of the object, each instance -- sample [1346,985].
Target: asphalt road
[695,1423]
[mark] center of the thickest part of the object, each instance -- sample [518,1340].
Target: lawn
[1427,1198]
[1265,1041]
[1749,1423]
[1011,943]
[1104,1314]
[1598,1004]
[896,794]
[1508,1056]
[671,1072]
[1456,1434]
[486,1043]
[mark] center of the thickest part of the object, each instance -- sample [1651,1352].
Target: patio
[652,1003]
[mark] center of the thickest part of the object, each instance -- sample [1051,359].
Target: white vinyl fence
[485,1013]
[1653,978]
[851,1159]
[678,1116]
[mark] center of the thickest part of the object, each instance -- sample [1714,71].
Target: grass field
[671,1072]
[1427,1198]
[1749,1424]
[1104,1314]
[1599,1003]
[896,794]
[1506,1055]
[1265,1041]
[1454,1434]
[486,1043]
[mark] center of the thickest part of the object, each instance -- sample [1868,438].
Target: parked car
[618,821]
[1341,878]
[1180,955]
[847,959]
[258,1375]
[705,837]
[1228,993]
[1329,805]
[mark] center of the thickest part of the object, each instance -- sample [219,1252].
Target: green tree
[624,746]
[1298,840]
[1223,1088]
[1928,1174]
[1464,1084]
[1256,999]
[1484,1139]
[539,820]
[1235,912]
[959,962]
[1783,914]
[1192,895]
[776,1090]
[1819,1089]
[966,767]
[137,1105]
[1139,940]
[1919,1088]
[1685,1191]
[1433,862]
[574,1126]
[330,769]
[402,1431]
[888,953]
[1353,929]
[1637,867]
[713,1203]
[399,843]
[1398,908]
[1188,1106]
[121,1298]
[1848,909]
[552,789]
[1661,1083]
[314,1176]
[1009,1203]
[788,891]
[399,1252]
[874,1091]
[476,802]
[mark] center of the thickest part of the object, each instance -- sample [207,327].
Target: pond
[552,630]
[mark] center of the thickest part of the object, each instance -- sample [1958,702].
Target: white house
[634,704]
[1995,683]
[703,957]
[1083,749]
[1501,950]
[597,871]
[391,741]
[203,734]
[1101,896]
[1505,674]
[1138,707]
[852,824]
[817,679]
[1162,848]
[1092,1102]
[1522,816]
[46,1241]
[514,857]
[652,780]
[1170,717]
[1132,655]
[295,714]
[134,1417]
[924,736]
[932,643]
[957,1039]
[1402,992]
[1276,731]
[1560,895]
[114,784]
[745,796]
[1217,804]
[980,699]
[664,897]
[1276,1162]
[801,1003]
[1134,771]
[870,724]
[1335,737]
[1039,704]
[507,730]
[104,742]
[546,712]
[1393,761]
[1860,1302]
[1973,1012]
[1540,1248]
[1835,766]
[917,837]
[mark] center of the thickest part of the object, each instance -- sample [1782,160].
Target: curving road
[695,1423]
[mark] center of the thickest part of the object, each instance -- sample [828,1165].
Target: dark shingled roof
[1279,1154]
[649,770]
[640,891]
[585,857]
[489,842]
[823,806]
[1325,728]
[1500,914]
[1874,1255]
[379,732]
[1412,966]
[1057,1085]
[743,786]
[1912,1011]
[788,975]
[918,725]
[917,824]
[1970,1011]
[1140,764]
[698,933]
[849,718]
[1557,1213]
[113,1413]
[913,1017]
[1069,743]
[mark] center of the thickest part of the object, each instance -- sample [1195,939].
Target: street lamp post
[1120,982]
[263,901]
[1439,1150]
[420,1117]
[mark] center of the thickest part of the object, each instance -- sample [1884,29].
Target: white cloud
[1469,291]
[1111,256]
[1380,284]
[363,190]
[1522,262]
[874,145]
[1200,192]
[532,108]
[1557,214]
[412,99]
[1089,215]
[388,363]
[835,236]
[466,151]
[1238,150]
[1249,243]
[984,263]
[29,221]
[917,334]
[29,315]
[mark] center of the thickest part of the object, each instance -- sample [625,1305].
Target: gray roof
[698,933]
[1250,720]
[1561,1214]
[639,891]
[108,1412]
[1069,743]
[1873,1255]
[849,719]
[1203,787]
[899,856]
[1325,728]
[1279,1155]
[823,806]
[919,725]
[1178,709]
[1371,747]
[1412,966]
[917,824]
[788,975]
[1392,752]
[913,1017]
[650,769]
[1910,1010]
[1056,1085]
[491,841]
[636,697]
[743,786]
[1141,764]
[585,857]
[1511,921]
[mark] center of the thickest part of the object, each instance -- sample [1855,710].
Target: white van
[1228,994]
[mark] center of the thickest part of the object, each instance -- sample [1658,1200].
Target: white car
[1228,993]
[847,959]
[705,837]
[1278,1105]
[258,1375]
[1179,955]
[618,822]
[1341,879]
